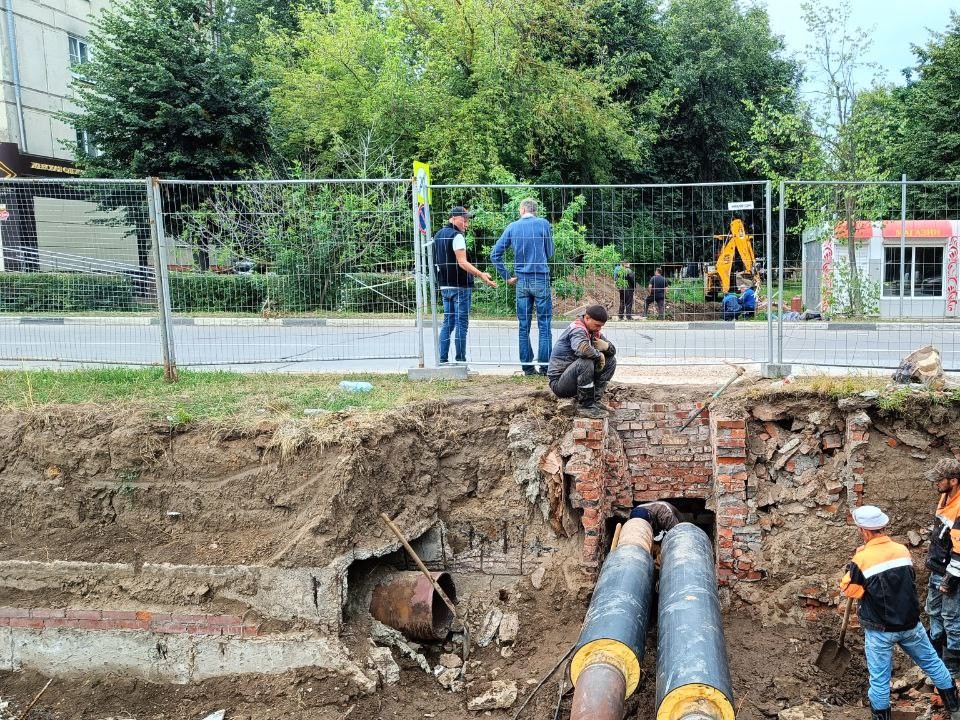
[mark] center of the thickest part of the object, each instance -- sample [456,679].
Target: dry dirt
[80,484]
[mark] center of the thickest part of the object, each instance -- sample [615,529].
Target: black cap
[459,211]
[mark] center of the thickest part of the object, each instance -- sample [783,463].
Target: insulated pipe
[693,679]
[605,668]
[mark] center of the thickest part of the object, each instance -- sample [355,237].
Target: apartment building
[43,44]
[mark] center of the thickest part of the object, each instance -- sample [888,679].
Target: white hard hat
[870,517]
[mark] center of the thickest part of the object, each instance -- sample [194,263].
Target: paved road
[392,345]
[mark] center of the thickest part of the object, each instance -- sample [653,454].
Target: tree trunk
[854,294]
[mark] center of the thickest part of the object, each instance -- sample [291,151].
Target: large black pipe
[693,678]
[606,663]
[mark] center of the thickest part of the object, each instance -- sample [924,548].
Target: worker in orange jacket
[881,577]
[943,562]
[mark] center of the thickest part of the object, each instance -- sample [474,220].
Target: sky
[894,25]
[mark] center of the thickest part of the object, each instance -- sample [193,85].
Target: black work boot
[951,701]
[598,390]
[879,714]
[587,403]
[951,658]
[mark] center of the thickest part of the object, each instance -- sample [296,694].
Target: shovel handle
[846,621]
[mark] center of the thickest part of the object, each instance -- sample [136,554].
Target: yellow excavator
[718,276]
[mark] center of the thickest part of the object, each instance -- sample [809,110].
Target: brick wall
[635,455]
[738,529]
[157,622]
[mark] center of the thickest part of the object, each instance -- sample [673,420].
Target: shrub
[209,292]
[65,292]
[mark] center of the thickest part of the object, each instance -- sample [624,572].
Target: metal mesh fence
[77,277]
[286,273]
[870,301]
[686,232]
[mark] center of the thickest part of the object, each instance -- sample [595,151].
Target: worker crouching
[882,578]
[582,362]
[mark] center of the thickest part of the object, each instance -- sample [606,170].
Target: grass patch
[201,395]
[840,386]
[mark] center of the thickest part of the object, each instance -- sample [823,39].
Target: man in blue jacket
[748,301]
[730,305]
[531,238]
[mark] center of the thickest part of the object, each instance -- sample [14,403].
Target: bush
[65,292]
[378,292]
[209,292]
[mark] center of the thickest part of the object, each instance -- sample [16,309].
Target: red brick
[48,612]
[128,625]
[250,630]
[24,622]
[738,433]
[91,624]
[729,460]
[59,622]
[76,614]
[14,612]
[119,615]
[232,629]
[731,424]
[892,442]
[169,627]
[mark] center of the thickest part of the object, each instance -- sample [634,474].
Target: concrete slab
[444,372]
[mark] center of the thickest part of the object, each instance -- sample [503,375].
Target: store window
[922,271]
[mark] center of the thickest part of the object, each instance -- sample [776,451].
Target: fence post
[769,252]
[431,275]
[161,278]
[903,241]
[417,270]
[782,260]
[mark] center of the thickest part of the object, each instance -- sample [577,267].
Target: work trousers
[626,303]
[582,373]
[878,648]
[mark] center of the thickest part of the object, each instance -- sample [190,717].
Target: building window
[922,271]
[79,54]
[85,145]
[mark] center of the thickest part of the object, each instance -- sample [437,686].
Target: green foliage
[166,94]
[209,292]
[837,295]
[379,292]
[309,235]
[929,142]
[65,292]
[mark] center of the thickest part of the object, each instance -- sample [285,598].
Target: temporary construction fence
[337,274]
[877,269]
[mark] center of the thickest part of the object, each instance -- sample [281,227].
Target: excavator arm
[736,241]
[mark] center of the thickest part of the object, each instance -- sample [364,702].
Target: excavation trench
[168,572]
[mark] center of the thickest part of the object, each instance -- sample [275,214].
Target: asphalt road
[392,345]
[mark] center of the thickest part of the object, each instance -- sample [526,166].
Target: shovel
[834,657]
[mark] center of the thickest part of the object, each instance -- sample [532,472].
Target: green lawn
[222,395]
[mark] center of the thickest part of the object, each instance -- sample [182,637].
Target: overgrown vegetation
[218,396]
[66,292]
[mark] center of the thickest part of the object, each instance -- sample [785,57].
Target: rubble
[450,679]
[807,711]
[449,660]
[509,627]
[394,638]
[536,577]
[381,659]
[502,694]
[489,627]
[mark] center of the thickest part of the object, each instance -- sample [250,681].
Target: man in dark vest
[455,275]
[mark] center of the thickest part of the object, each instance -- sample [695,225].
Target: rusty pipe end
[408,602]
[600,693]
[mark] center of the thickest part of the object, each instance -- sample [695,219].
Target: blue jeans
[456,318]
[878,647]
[944,612]
[534,291]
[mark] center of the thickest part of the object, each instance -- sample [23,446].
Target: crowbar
[740,371]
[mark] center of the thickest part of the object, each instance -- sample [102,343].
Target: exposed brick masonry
[48,618]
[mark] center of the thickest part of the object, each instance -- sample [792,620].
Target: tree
[716,55]
[844,135]
[929,146]
[165,93]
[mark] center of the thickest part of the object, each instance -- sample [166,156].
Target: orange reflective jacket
[881,576]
